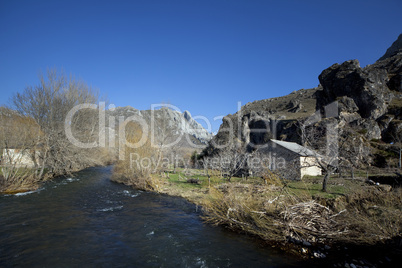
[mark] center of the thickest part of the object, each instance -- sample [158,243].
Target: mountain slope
[172,128]
[369,100]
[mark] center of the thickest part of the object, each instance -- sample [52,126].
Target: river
[89,221]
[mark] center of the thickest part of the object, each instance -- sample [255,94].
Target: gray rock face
[373,129]
[173,122]
[295,106]
[347,105]
[187,115]
[367,87]
[393,66]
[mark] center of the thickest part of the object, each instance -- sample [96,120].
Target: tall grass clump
[17,179]
[139,161]
[254,209]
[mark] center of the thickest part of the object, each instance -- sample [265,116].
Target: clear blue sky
[199,55]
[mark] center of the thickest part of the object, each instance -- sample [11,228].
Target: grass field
[351,211]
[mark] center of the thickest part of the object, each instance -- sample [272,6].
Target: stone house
[291,160]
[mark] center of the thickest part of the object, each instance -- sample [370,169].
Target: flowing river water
[89,221]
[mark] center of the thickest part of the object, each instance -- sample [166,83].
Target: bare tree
[206,163]
[337,145]
[323,138]
[48,104]
[231,160]
[353,151]
[271,168]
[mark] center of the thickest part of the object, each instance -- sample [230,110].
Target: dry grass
[365,216]
[271,213]
[131,170]
[17,179]
[372,215]
[242,212]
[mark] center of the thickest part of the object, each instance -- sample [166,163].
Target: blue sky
[200,55]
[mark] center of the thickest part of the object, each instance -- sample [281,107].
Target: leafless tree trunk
[336,145]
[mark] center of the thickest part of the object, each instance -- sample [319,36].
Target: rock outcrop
[369,100]
[366,86]
[173,123]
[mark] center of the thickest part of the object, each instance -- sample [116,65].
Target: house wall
[17,157]
[296,166]
[309,166]
[283,161]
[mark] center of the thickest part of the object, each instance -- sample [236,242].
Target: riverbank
[88,220]
[296,216]
[24,179]
[18,184]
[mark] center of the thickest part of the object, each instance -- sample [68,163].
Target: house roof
[296,148]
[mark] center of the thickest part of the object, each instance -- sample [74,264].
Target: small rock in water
[347,265]
[304,250]
[327,247]
[319,255]
[306,243]
[352,265]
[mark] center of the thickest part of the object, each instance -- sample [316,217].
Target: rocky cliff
[166,124]
[369,100]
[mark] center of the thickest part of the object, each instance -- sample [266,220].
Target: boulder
[348,118]
[348,110]
[347,105]
[297,108]
[373,130]
[368,88]
[187,115]
[293,103]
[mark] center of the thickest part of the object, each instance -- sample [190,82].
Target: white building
[292,160]
[19,157]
